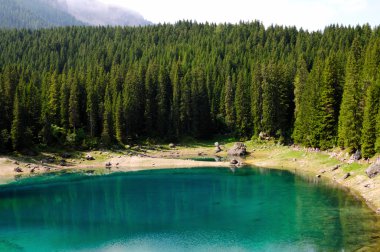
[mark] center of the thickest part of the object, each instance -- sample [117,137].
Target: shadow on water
[182,209]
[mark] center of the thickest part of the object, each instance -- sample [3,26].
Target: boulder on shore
[234,162]
[18,169]
[357,155]
[66,155]
[218,149]
[239,149]
[373,170]
[264,136]
[171,145]
[89,157]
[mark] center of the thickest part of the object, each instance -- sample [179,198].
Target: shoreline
[300,162]
[327,168]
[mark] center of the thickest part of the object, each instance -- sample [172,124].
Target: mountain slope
[95,12]
[33,14]
[50,13]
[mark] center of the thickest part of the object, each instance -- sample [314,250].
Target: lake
[201,209]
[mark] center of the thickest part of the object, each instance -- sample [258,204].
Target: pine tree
[64,100]
[229,97]
[107,132]
[18,124]
[270,98]
[176,77]
[92,108]
[256,99]
[163,102]
[371,111]
[119,120]
[329,111]
[350,119]
[243,106]
[377,144]
[33,107]
[53,103]
[150,113]
[74,107]
[300,112]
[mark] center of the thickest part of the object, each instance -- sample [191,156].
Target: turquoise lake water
[200,209]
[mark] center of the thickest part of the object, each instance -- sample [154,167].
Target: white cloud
[309,14]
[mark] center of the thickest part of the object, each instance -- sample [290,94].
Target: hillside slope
[36,14]
[33,14]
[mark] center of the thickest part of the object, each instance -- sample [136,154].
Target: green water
[204,209]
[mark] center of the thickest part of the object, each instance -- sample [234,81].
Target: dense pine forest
[101,86]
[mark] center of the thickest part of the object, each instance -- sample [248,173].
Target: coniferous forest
[101,86]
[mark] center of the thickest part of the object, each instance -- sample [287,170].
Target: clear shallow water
[184,209]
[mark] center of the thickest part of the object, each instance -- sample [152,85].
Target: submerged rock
[373,170]
[239,149]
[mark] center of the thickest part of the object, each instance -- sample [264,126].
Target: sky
[308,14]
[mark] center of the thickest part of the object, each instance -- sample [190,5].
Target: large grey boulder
[239,149]
[357,155]
[373,170]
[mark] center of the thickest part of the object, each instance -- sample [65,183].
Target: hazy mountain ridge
[33,14]
[95,12]
[51,13]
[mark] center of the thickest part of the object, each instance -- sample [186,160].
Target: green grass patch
[354,167]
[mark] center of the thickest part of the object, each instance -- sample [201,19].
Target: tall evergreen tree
[107,132]
[229,98]
[243,106]
[256,99]
[120,130]
[74,106]
[350,119]
[18,123]
[329,111]
[300,98]
[163,102]
[371,111]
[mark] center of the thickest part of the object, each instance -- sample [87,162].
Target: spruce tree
[163,102]
[270,99]
[64,100]
[371,111]
[350,119]
[256,99]
[150,113]
[107,132]
[18,124]
[300,100]
[74,107]
[53,103]
[243,106]
[229,98]
[329,111]
[120,130]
